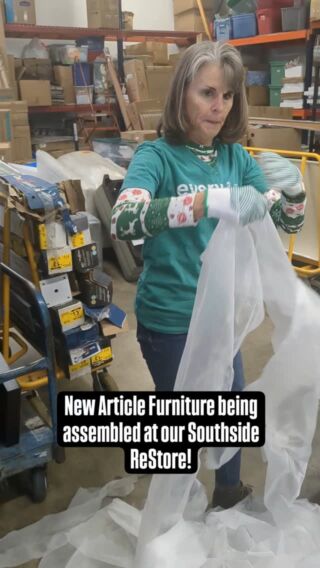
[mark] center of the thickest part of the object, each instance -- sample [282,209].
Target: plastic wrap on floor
[245,271]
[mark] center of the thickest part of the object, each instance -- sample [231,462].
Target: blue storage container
[244,25]
[82,74]
[93,43]
[222,29]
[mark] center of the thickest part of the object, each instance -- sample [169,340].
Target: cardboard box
[2,35]
[146,59]
[19,112]
[36,93]
[257,96]
[139,136]
[103,20]
[270,112]
[150,120]
[6,95]
[274,138]
[103,14]
[63,77]
[5,125]
[190,21]
[12,76]
[174,58]
[36,69]
[149,105]
[5,152]
[183,5]
[111,6]
[158,51]
[136,80]
[21,144]
[20,11]
[159,79]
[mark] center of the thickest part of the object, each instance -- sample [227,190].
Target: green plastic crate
[274,96]
[277,72]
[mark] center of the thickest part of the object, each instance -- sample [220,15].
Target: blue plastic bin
[93,43]
[82,74]
[244,25]
[222,29]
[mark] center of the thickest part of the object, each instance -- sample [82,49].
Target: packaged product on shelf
[81,335]
[104,356]
[56,261]
[20,11]
[68,316]
[85,258]
[96,288]
[68,54]
[51,235]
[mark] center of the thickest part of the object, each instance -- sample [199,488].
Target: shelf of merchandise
[78,109]
[69,33]
[298,35]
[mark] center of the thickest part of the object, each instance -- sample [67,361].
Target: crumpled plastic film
[52,536]
[242,268]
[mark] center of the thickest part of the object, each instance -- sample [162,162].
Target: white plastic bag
[35,49]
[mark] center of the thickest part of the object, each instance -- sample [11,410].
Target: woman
[176,190]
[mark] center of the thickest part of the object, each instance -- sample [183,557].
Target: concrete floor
[93,467]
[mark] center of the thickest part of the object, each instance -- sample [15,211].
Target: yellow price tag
[71,316]
[62,262]
[43,237]
[78,240]
[104,355]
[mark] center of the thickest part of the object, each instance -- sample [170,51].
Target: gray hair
[174,124]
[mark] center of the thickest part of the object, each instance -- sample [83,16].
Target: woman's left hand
[281,175]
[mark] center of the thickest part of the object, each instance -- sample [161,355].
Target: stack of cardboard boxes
[15,134]
[148,73]
[20,150]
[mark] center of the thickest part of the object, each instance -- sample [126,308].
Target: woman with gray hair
[176,190]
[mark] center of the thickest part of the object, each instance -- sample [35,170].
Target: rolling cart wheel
[103,381]
[38,484]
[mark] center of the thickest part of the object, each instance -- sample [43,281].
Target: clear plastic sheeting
[83,533]
[244,269]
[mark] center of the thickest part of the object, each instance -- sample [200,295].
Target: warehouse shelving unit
[182,39]
[305,36]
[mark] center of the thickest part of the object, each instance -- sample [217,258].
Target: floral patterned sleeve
[135,215]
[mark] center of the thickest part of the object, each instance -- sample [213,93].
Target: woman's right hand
[242,204]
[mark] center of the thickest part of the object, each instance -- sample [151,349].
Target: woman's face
[208,102]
